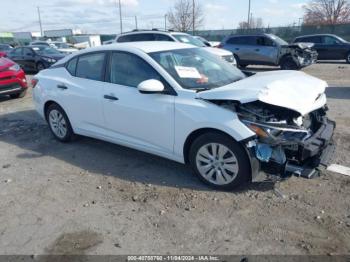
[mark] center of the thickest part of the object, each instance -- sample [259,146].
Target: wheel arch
[197,133]
[49,103]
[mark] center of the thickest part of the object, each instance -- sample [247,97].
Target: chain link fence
[287,33]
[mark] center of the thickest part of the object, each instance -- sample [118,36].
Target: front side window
[328,40]
[161,37]
[197,69]
[17,51]
[91,66]
[130,70]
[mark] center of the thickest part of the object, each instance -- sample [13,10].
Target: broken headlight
[272,134]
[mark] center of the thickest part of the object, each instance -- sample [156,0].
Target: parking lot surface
[93,197]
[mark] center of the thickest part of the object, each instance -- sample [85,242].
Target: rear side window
[243,40]
[130,70]
[91,66]
[72,66]
[136,38]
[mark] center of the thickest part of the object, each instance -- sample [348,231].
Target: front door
[142,120]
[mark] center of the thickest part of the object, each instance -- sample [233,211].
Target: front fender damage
[286,142]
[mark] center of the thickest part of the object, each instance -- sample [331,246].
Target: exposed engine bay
[285,142]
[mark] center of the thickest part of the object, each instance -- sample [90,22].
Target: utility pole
[120,17]
[193,16]
[165,18]
[249,14]
[136,22]
[41,27]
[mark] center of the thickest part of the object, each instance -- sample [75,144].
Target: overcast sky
[101,16]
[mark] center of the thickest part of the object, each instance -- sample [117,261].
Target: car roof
[151,32]
[315,35]
[145,47]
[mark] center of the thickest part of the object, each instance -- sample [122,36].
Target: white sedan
[186,104]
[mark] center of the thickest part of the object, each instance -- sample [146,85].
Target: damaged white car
[185,104]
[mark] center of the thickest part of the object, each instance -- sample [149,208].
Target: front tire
[59,123]
[219,161]
[348,58]
[288,63]
[40,66]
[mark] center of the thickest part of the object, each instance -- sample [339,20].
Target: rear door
[81,90]
[244,47]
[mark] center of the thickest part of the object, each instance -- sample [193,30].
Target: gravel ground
[92,197]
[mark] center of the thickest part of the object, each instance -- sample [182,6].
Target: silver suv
[157,35]
[268,49]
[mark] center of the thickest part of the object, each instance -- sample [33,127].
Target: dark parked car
[329,47]
[35,58]
[4,49]
[268,49]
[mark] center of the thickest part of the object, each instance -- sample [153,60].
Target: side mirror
[151,86]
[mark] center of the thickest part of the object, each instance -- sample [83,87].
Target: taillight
[34,82]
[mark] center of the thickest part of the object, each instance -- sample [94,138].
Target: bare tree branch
[327,12]
[181,16]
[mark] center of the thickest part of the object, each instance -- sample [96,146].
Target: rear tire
[59,123]
[19,95]
[288,63]
[219,161]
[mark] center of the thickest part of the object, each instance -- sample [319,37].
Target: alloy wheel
[217,164]
[58,123]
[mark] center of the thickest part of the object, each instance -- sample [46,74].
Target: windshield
[44,50]
[278,40]
[188,39]
[197,69]
[61,45]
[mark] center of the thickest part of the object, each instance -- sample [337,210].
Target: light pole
[165,18]
[193,16]
[41,27]
[249,14]
[120,17]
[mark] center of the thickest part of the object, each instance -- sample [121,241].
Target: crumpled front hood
[301,45]
[290,89]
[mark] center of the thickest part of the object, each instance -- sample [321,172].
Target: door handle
[110,97]
[257,50]
[63,87]
[237,48]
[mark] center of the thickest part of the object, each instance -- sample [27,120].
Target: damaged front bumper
[304,158]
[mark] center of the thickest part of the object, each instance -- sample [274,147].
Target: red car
[12,79]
